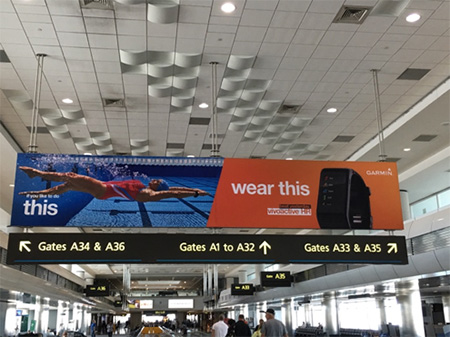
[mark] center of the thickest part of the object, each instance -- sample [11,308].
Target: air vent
[289,108]
[219,135]
[113,103]
[40,129]
[3,57]
[199,121]
[175,145]
[392,159]
[343,139]
[413,74]
[97,4]
[352,14]
[424,138]
[209,146]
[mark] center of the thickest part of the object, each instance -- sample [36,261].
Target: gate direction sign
[242,289]
[32,248]
[276,279]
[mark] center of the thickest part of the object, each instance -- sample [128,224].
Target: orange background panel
[249,209]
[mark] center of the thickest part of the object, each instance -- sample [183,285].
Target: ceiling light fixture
[407,149]
[189,156]
[203,105]
[414,17]
[289,158]
[331,110]
[228,7]
[67,101]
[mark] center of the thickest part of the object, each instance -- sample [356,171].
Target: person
[109,329]
[259,326]
[257,331]
[157,189]
[92,328]
[273,327]
[220,328]
[241,329]
[231,325]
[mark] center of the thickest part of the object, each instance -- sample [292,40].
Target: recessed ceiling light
[407,149]
[11,185]
[413,17]
[67,101]
[189,156]
[87,154]
[203,105]
[331,110]
[228,7]
[289,158]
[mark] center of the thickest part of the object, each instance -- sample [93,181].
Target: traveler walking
[273,327]
[241,329]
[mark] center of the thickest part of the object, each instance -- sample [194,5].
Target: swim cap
[163,185]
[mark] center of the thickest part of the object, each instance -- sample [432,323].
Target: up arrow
[392,247]
[24,245]
[264,246]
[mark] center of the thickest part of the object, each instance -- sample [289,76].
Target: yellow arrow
[264,246]
[392,247]
[23,245]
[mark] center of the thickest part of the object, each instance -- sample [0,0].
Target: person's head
[158,185]
[270,313]
[261,321]
[221,317]
[241,317]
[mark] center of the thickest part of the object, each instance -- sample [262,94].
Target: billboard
[119,191]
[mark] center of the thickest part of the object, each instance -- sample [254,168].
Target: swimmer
[157,189]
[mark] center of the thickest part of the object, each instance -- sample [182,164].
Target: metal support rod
[382,156]
[214,137]
[32,147]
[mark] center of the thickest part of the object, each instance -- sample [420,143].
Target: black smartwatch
[343,201]
[196,194]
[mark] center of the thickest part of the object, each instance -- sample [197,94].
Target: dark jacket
[241,329]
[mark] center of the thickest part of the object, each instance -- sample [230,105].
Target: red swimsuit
[127,189]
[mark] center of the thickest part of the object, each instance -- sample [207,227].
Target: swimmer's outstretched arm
[188,189]
[150,195]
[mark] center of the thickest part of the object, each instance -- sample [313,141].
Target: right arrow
[392,247]
[24,245]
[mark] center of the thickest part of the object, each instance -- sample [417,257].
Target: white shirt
[220,329]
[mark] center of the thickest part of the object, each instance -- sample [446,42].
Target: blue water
[117,212]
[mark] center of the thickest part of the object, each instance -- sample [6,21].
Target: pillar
[331,313]
[286,311]
[379,290]
[446,307]
[406,209]
[258,269]
[242,274]
[408,297]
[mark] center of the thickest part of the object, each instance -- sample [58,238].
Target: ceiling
[137,71]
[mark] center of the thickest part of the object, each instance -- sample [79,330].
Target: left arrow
[24,245]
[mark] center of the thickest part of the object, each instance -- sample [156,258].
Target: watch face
[333,191]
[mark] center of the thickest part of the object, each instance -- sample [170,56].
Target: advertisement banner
[119,191]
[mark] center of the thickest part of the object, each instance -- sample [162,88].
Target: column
[446,307]
[379,289]
[258,269]
[408,297]
[331,314]
[286,311]
[242,274]
[406,209]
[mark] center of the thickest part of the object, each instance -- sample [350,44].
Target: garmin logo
[388,172]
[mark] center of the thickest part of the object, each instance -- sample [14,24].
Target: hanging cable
[382,156]
[32,147]
[214,137]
